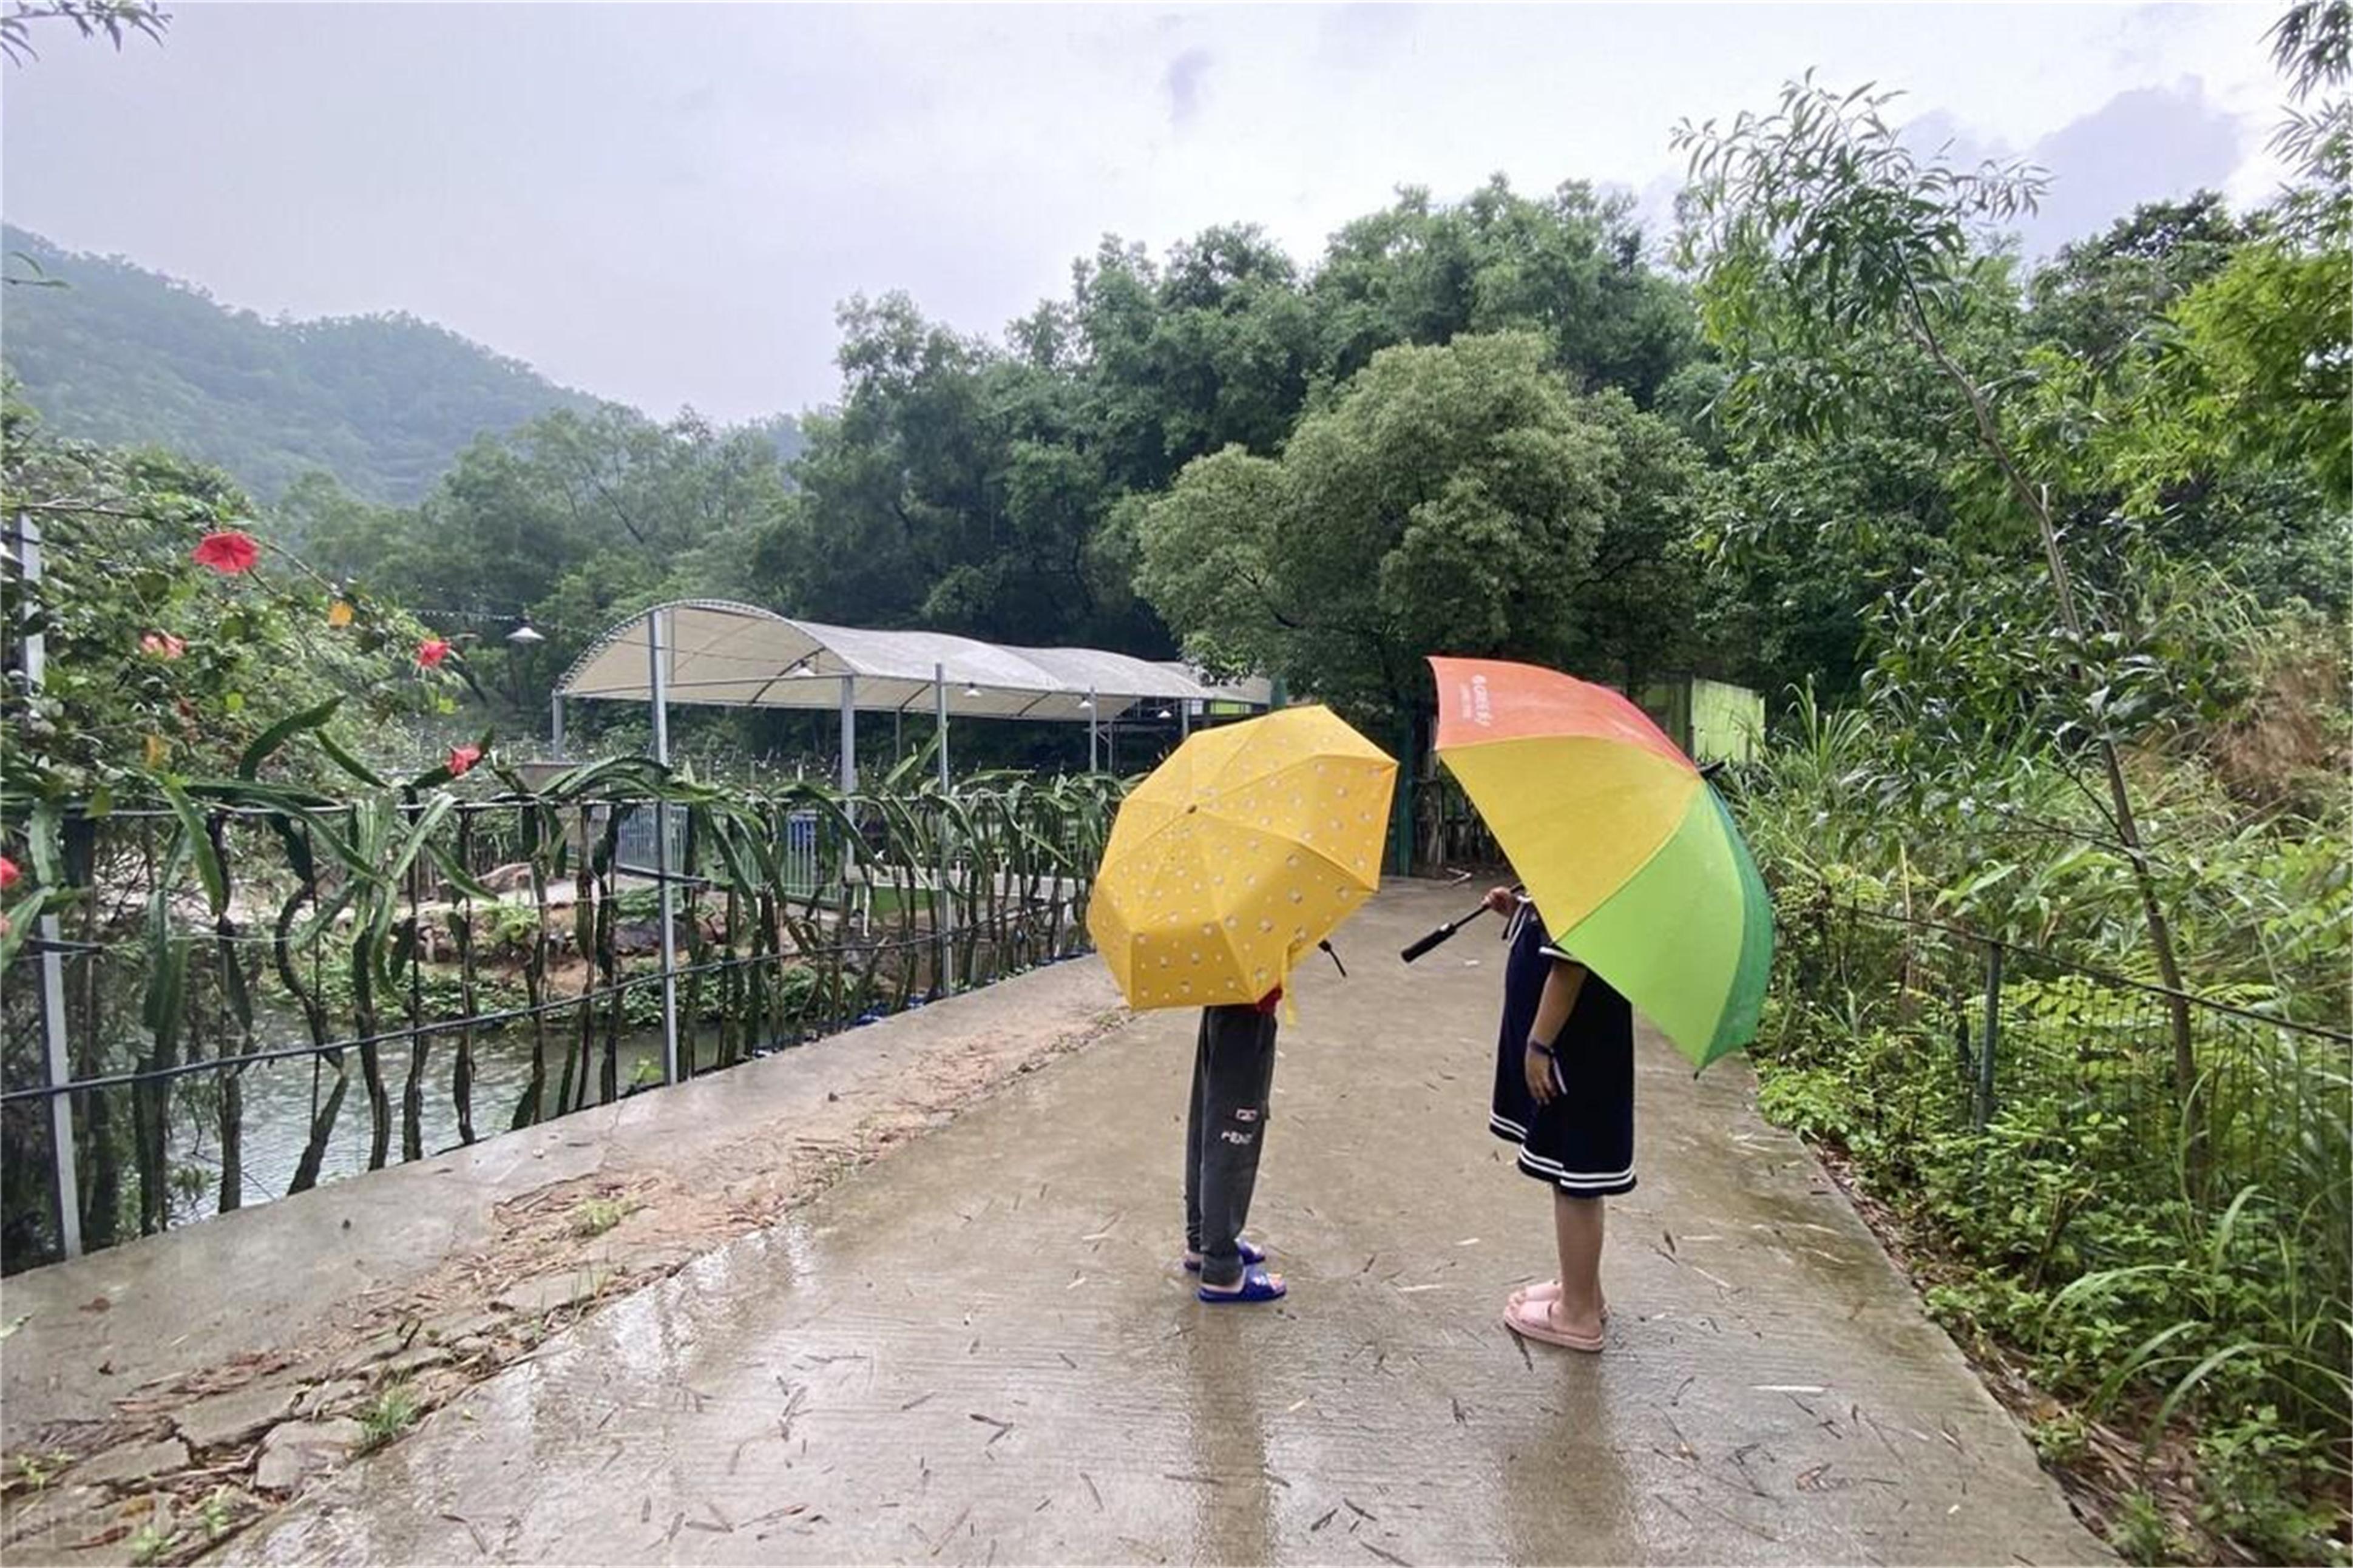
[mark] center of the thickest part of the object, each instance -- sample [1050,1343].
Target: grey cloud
[1186,75]
[2148,144]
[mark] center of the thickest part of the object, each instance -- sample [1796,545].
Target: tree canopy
[1459,497]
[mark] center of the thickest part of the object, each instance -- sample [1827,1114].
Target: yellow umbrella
[1239,853]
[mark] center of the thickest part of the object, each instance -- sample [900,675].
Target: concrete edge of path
[109,1343]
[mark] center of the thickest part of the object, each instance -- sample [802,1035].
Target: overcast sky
[663,203]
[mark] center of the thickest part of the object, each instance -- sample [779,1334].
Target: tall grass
[2177,1265]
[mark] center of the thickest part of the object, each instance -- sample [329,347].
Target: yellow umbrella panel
[1239,853]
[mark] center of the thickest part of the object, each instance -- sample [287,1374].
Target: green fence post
[1992,1036]
[1401,807]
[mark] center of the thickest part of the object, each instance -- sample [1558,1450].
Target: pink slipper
[1534,1321]
[1547,1290]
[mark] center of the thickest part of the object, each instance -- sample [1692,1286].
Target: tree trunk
[2160,931]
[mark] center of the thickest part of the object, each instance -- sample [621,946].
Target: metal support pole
[849,734]
[1093,744]
[53,963]
[555,726]
[1992,1035]
[849,786]
[1185,720]
[658,665]
[945,915]
[940,716]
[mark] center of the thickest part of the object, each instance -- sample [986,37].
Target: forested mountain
[129,357]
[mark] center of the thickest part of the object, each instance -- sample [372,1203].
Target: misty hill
[131,357]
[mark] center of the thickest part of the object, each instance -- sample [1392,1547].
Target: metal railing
[2188,1099]
[380,980]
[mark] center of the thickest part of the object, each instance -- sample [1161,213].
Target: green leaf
[249,765]
[427,820]
[167,989]
[41,836]
[348,763]
[459,878]
[22,917]
[198,844]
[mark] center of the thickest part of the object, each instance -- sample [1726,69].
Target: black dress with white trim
[1583,1142]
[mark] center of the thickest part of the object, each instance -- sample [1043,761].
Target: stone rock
[658,1259]
[327,1396]
[355,1362]
[548,1292]
[513,877]
[455,1326]
[54,1517]
[124,1467]
[416,1358]
[236,1417]
[302,1448]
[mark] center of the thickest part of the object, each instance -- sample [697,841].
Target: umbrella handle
[1446,932]
[1443,933]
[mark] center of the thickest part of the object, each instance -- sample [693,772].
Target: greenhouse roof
[739,656]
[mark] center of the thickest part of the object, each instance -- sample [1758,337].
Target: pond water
[277,1105]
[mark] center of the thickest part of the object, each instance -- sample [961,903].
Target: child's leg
[1195,1113]
[1576,1225]
[1238,1079]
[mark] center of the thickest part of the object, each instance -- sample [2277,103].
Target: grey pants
[1233,1077]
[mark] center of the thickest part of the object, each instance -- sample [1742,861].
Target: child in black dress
[1565,1094]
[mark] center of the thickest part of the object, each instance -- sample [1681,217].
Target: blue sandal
[1252,1257]
[1257,1286]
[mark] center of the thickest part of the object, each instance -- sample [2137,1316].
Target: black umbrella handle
[1443,933]
[1446,932]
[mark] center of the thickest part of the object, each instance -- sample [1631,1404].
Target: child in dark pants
[1233,1077]
[1565,1094]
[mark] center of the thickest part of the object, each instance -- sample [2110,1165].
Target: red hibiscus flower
[228,552]
[162,645]
[431,652]
[462,759]
[9,874]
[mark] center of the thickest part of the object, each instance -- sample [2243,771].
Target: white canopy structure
[739,656]
[717,652]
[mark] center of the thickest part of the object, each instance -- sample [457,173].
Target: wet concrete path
[980,1349]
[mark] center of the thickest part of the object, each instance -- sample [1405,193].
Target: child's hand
[1500,901]
[1538,1068]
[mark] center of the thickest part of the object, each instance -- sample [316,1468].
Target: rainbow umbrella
[1631,859]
